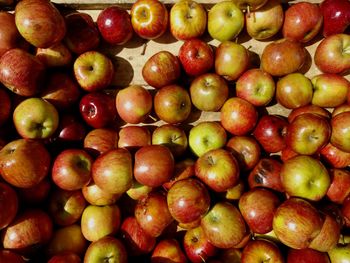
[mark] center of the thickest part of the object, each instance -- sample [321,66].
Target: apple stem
[248,11]
[144,46]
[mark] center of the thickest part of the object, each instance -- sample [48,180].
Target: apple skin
[82,34]
[294,91]
[114,24]
[152,213]
[340,253]
[336,16]
[266,21]
[208,92]
[331,55]
[246,149]
[100,221]
[184,168]
[93,70]
[71,169]
[153,165]
[188,19]
[94,195]
[341,108]
[257,207]
[260,250]
[250,5]
[231,60]
[172,104]
[266,173]
[134,104]
[6,106]
[10,256]
[161,69]
[24,163]
[134,137]
[149,19]
[308,109]
[71,129]
[40,23]
[188,200]
[304,176]
[225,21]
[306,255]
[340,131]
[345,211]
[209,169]
[302,22]
[105,248]
[224,225]
[55,56]
[335,157]
[196,57]
[238,116]
[112,171]
[270,132]
[21,72]
[206,136]
[330,90]
[339,188]
[65,257]
[296,222]
[168,250]
[283,57]
[100,140]
[308,133]
[10,207]
[29,231]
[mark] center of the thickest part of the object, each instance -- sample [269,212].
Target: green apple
[35,118]
[225,21]
[340,254]
[206,136]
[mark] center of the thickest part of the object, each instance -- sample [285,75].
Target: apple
[100,140]
[308,133]
[246,149]
[206,136]
[330,90]
[65,257]
[21,72]
[296,223]
[40,23]
[93,70]
[331,54]
[114,24]
[271,128]
[294,90]
[345,211]
[171,136]
[196,57]
[250,5]
[57,55]
[105,249]
[24,163]
[266,21]
[339,188]
[161,69]
[260,250]
[310,108]
[341,131]
[224,225]
[188,19]
[10,256]
[231,60]
[134,137]
[29,231]
[302,22]
[340,253]
[153,165]
[238,116]
[266,173]
[152,213]
[334,156]
[257,207]
[10,206]
[306,255]
[335,16]
[209,92]
[134,104]
[341,108]
[225,21]
[218,169]
[67,239]
[100,221]
[135,239]
[168,250]
[82,33]
[184,168]
[196,245]
[6,106]
[94,195]
[98,109]
[138,191]
[282,57]
[256,86]
[112,171]
[66,207]
[149,19]
[70,129]
[37,194]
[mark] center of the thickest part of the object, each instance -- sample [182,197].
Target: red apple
[308,109]
[336,16]
[100,140]
[339,188]
[57,55]
[134,137]
[345,211]
[71,128]
[168,250]
[260,250]
[9,204]
[183,169]
[10,256]
[6,106]
[65,257]
[306,255]
[37,194]
[334,156]
[341,108]
[341,131]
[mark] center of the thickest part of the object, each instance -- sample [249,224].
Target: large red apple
[336,16]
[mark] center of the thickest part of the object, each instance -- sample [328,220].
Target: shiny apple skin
[134,137]
[336,16]
[308,109]
[168,250]
[100,140]
[334,156]
[341,131]
[262,250]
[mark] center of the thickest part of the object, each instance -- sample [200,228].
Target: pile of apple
[87,176]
